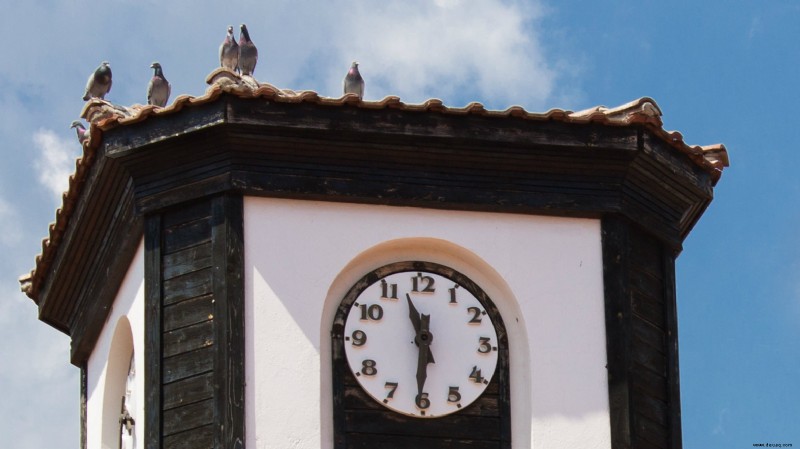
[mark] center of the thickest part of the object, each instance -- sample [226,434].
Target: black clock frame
[360,422]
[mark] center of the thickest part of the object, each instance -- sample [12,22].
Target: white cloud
[457,50]
[55,163]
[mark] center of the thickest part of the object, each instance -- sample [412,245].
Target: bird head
[245,34]
[157,69]
[77,124]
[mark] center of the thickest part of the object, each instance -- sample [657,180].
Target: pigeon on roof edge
[99,83]
[248,53]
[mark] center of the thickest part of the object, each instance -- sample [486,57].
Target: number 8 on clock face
[419,343]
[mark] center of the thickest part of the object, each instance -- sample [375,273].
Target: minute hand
[424,339]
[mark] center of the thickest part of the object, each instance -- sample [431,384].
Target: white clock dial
[420,344]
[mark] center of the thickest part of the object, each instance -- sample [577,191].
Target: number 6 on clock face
[419,342]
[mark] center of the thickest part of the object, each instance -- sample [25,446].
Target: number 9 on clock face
[420,344]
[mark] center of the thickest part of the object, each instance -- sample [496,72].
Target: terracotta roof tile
[103,116]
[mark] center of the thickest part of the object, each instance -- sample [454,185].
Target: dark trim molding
[227,249]
[641,337]
[615,244]
[84,397]
[673,369]
[153,332]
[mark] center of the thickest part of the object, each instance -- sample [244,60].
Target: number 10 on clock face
[420,344]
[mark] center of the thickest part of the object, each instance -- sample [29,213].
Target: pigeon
[83,135]
[229,52]
[158,89]
[353,83]
[99,83]
[248,54]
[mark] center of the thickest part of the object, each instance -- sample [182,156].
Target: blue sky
[721,71]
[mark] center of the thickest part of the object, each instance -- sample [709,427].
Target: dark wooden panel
[650,431]
[641,443]
[387,422]
[196,283]
[199,438]
[188,312]
[646,281]
[369,441]
[187,261]
[153,332]
[649,360]
[652,408]
[84,397]
[673,371]
[647,308]
[185,213]
[186,235]
[228,254]
[650,336]
[213,184]
[188,364]
[616,266]
[114,254]
[188,338]
[649,383]
[188,417]
[189,390]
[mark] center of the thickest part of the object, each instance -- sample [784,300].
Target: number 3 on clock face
[420,343]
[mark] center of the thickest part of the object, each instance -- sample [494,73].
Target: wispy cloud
[722,418]
[55,162]
[10,230]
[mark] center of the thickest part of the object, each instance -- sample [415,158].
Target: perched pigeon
[229,52]
[99,83]
[248,54]
[158,90]
[353,83]
[80,130]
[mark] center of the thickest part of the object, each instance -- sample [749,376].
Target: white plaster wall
[129,304]
[543,273]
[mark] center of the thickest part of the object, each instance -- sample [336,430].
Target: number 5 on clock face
[420,344]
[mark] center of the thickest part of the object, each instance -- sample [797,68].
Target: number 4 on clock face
[420,343]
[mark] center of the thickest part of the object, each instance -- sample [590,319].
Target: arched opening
[469,268]
[119,409]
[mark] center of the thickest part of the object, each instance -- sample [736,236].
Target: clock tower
[259,268]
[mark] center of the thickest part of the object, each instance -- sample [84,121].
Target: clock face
[420,343]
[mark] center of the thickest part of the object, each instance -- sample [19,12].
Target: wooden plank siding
[643,385]
[188,303]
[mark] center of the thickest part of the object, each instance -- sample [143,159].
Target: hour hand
[413,314]
[421,326]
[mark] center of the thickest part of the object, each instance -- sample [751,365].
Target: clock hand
[415,320]
[423,340]
[413,314]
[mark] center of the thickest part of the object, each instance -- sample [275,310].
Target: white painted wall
[107,367]
[543,273]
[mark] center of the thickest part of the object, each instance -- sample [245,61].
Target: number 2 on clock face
[420,343]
